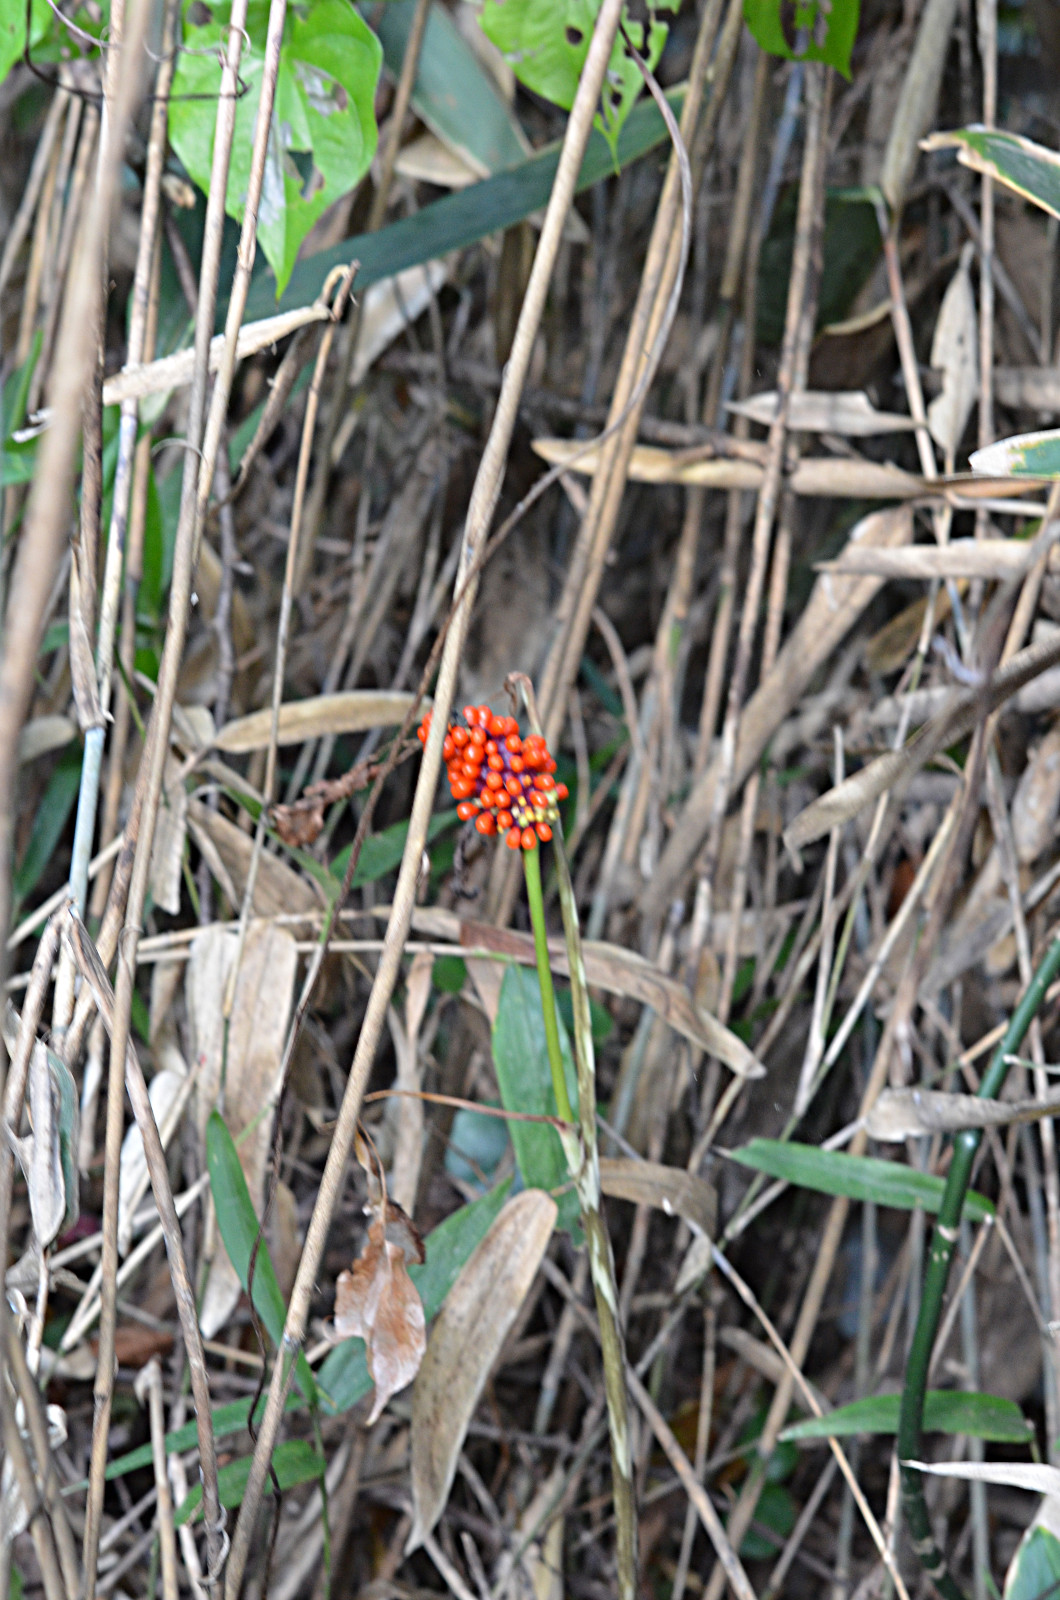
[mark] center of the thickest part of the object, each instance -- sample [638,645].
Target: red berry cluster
[501,779]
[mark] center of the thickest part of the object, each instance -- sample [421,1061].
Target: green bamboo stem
[583,1163]
[911,1414]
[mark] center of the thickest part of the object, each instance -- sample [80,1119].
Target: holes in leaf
[575,36]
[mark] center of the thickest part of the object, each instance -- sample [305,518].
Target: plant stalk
[583,1163]
[965,1146]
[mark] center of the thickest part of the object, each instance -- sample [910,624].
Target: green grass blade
[981,1416]
[888,1183]
[238,1222]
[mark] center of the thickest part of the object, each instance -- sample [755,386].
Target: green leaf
[13,30]
[520,1056]
[449,78]
[382,852]
[888,1183]
[546,44]
[982,1416]
[477,1144]
[1022,455]
[1036,1571]
[462,219]
[776,1511]
[323,133]
[343,1375]
[49,820]
[294,1461]
[809,30]
[1020,164]
[238,1222]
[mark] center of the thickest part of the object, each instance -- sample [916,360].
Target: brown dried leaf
[352,711]
[845,411]
[895,769]
[278,889]
[904,1113]
[377,1302]
[465,1342]
[670,1189]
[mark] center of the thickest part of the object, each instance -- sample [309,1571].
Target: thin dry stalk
[15,1451]
[30,1401]
[480,512]
[149,1386]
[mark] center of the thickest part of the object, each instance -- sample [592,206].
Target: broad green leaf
[449,79]
[809,30]
[294,1462]
[238,1222]
[546,44]
[1020,164]
[227,1420]
[323,133]
[13,30]
[888,1183]
[1035,1572]
[477,1143]
[520,1056]
[382,852]
[981,1416]
[462,219]
[1023,455]
[343,1375]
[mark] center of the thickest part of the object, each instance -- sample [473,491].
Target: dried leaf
[321,715]
[1037,800]
[895,769]
[376,1302]
[389,306]
[904,1113]
[278,890]
[465,1342]
[168,1092]
[833,608]
[670,1189]
[961,558]
[48,1155]
[167,851]
[43,734]
[848,412]
[954,353]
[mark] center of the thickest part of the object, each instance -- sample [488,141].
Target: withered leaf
[376,1301]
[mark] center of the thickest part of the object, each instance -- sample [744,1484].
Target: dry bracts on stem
[500,778]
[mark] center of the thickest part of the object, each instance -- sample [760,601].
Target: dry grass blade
[618,971]
[828,616]
[465,1342]
[894,770]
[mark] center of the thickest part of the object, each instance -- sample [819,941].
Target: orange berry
[513,786]
[470,769]
[495,763]
[478,737]
[466,809]
[562,791]
[543,831]
[504,819]
[546,782]
[528,839]
[461,787]
[494,780]
[513,743]
[448,747]
[513,839]
[485,823]
[460,737]
[517,763]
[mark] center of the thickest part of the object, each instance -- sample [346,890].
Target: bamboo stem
[965,1147]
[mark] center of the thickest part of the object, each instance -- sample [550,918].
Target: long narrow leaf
[888,1183]
[981,1416]
[238,1222]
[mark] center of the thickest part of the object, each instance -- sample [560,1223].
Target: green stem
[532,869]
[583,1163]
[965,1146]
